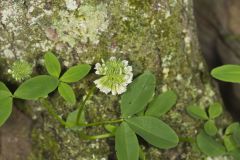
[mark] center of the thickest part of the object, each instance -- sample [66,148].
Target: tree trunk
[159,36]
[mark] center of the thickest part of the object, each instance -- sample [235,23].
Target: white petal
[121,89]
[125,62]
[97,66]
[112,58]
[105,90]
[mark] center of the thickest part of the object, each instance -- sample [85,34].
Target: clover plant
[208,140]
[140,108]
[40,86]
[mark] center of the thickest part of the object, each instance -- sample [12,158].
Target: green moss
[149,34]
[46,146]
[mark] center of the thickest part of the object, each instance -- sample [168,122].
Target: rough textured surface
[15,137]
[219,20]
[158,35]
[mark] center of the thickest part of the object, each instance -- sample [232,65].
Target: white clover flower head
[20,70]
[116,75]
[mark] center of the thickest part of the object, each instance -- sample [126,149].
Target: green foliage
[126,143]
[229,143]
[230,139]
[75,73]
[52,64]
[3,87]
[227,73]
[67,92]
[206,139]
[161,104]
[5,106]
[154,131]
[197,112]
[210,128]
[138,94]
[235,153]
[209,146]
[72,123]
[231,128]
[215,110]
[37,87]
[110,128]
[236,135]
[40,86]
[5,103]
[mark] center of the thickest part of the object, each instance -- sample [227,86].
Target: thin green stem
[101,136]
[83,104]
[186,139]
[51,111]
[101,123]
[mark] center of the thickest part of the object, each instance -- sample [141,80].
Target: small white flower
[20,70]
[116,75]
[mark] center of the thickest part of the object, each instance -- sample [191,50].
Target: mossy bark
[152,35]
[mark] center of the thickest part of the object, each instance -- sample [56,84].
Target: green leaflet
[138,94]
[52,64]
[227,73]
[110,128]
[67,92]
[215,110]
[3,87]
[75,73]
[161,104]
[236,136]
[209,146]
[197,112]
[5,107]
[154,131]
[72,118]
[37,87]
[210,128]
[126,143]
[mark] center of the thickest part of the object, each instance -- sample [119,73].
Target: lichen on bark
[155,35]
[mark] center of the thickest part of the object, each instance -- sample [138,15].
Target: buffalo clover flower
[116,75]
[20,70]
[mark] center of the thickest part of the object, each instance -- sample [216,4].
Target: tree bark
[159,36]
